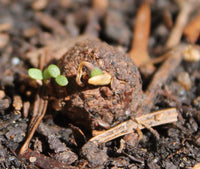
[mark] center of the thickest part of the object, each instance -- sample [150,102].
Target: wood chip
[26,107]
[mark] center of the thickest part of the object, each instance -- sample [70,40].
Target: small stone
[15,61]
[66,157]
[4,104]
[184,80]
[17,103]
[95,156]
[32,159]
[191,54]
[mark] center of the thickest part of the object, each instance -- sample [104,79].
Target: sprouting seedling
[35,73]
[97,77]
[52,71]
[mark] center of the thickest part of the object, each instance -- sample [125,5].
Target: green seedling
[35,73]
[96,71]
[97,77]
[61,80]
[52,71]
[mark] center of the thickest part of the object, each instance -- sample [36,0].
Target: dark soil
[66,33]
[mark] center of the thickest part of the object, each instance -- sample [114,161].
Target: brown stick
[141,32]
[51,23]
[35,121]
[181,21]
[43,161]
[160,78]
[39,110]
[152,119]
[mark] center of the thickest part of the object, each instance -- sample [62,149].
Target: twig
[138,52]
[181,21]
[152,119]
[43,161]
[51,23]
[160,78]
[40,107]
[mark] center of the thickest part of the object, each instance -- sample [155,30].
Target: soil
[37,33]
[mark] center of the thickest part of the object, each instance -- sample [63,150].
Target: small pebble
[15,61]
[17,103]
[32,159]
[4,104]
[191,54]
[184,80]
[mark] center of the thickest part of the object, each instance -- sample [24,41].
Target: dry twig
[160,78]
[51,23]
[39,111]
[181,21]
[152,119]
[138,52]
[43,161]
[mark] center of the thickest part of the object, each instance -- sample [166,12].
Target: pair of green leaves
[52,71]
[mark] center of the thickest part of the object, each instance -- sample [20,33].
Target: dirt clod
[94,155]
[114,102]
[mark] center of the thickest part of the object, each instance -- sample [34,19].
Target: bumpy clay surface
[100,106]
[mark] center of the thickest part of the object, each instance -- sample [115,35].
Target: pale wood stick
[181,21]
[127,127]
